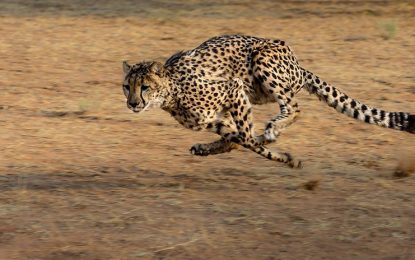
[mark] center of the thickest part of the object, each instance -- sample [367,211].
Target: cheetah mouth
[140,109]
[135,109]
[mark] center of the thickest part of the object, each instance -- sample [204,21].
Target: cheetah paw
[292,162]
[199,149]
[295,163]
[271,135]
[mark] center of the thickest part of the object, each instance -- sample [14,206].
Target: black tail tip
[411,124]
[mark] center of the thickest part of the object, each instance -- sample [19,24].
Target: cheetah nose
[132,104]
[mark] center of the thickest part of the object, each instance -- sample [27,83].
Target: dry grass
[311,185]
[388,29]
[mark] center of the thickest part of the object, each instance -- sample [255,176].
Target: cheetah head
[144,85]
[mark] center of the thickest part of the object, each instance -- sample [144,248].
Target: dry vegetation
[81,177]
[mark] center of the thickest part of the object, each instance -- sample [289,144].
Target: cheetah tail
[338,100]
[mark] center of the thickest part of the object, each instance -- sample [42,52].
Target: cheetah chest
[195,117]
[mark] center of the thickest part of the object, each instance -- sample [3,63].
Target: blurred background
[82,177]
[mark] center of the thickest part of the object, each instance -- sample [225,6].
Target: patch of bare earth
[81,177]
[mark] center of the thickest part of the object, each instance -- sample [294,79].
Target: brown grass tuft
[406,166]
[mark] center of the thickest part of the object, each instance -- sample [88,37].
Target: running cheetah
[213,86]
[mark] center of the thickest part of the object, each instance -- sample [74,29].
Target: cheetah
[214,86]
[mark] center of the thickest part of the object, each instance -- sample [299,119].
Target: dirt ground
[82,177]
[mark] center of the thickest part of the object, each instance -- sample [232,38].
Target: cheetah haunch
[213,86]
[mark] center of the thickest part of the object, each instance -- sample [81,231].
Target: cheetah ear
[157,68]
[126,67]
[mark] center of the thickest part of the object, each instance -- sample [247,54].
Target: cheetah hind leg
[288,114]
[245,134]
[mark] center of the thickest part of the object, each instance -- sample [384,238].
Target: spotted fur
[213,86]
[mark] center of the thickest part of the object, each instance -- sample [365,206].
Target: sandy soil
[82,177]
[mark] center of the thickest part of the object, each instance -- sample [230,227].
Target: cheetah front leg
[222,126]
[222,145]
[216,147]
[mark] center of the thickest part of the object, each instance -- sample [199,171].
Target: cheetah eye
[127,87]
[144,88]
